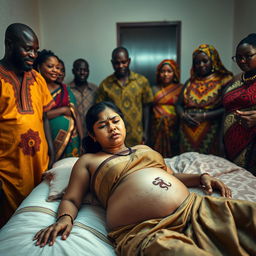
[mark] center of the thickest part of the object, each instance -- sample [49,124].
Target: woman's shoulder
[87,157]
[90,159]
[143,147]
[234,81]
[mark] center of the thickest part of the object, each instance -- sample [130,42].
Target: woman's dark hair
[250,39]
[62,62]
[91,118]
[42,57]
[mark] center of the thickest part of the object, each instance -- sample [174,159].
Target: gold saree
[202,225]
[115,168]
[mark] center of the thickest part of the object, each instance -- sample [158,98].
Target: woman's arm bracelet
[201,176]
[65,214]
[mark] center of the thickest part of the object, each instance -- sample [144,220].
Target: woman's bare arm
[69,206]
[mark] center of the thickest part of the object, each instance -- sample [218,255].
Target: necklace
[248,79]
[120,153]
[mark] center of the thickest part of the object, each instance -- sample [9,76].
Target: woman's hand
[189,119]
[210,183]
[246,118]
[59,112]
[49,234]
[66,111]
[199,117]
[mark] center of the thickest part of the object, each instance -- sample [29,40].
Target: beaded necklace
[249,79]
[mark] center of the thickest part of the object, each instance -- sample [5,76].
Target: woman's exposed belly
[146,194]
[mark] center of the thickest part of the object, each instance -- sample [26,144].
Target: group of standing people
[40,116]
[43,120]
[195,114]
[213,112]
[204,115]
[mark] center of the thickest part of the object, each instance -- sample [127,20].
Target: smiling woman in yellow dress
[149,210]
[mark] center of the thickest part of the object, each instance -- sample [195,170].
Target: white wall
[22,11]
[87,28]
[245,23]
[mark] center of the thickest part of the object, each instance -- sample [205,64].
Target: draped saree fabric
[201,226]
[64,133]
[164,122]
[114,169]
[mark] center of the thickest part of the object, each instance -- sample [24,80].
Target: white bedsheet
[88,236]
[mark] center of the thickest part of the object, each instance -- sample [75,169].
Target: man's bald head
[121,62]
[119,50]
[16,31]
[21,46]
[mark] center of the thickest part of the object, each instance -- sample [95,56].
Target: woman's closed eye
[105,125]
[102,126]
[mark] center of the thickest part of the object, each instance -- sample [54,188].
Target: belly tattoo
[161,183]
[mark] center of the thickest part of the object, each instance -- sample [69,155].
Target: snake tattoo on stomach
[160,182]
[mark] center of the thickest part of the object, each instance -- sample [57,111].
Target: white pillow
[58,179]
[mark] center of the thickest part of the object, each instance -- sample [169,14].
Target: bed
[89,234]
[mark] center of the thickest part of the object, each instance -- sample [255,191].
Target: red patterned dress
[239,140]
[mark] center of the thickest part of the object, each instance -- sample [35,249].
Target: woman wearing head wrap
[240,104]
[164,122]
[200,105]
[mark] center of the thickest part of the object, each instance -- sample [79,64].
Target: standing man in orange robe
[24,98]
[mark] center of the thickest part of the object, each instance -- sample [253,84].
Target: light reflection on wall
[143,58]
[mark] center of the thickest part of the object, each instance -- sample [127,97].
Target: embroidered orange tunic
[23,146]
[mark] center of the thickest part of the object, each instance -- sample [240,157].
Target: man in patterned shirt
[131,92]
[82,89]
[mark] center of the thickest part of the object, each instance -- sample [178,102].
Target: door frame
[177,24]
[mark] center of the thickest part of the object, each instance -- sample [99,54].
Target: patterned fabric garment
[23,146]
[239,140]
[202,95]
[85,98]
[164,121]
[63,128]
[130,99]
